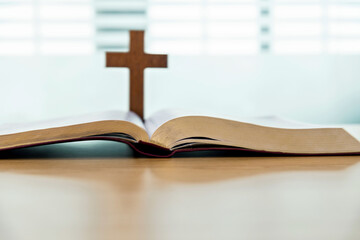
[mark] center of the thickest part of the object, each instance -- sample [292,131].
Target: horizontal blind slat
[113,20]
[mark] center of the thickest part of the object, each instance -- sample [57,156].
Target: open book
[166,133]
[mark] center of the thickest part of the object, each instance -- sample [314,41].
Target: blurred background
[297,59]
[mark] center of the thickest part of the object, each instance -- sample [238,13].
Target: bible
[167,132]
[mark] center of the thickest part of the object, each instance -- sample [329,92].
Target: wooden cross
[136,60]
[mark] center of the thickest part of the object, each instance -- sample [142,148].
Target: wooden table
[100,190]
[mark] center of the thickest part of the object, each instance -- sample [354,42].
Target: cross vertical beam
[136,60]
[137,91]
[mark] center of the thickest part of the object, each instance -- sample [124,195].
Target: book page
[11,128]
[270,134]
[126,126]
[161,117]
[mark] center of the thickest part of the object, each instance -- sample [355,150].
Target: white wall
[320,89]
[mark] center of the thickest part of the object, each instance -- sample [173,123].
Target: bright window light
[293,29]
[16,30]
[176,30]
[232,30]
[347,29]
[67,47]
[69,30]
[345,12]
[168,12]
[298,47]
[176,47]
[17,48]
[298,11]
[232,47]
[232,1]
[231,12]
[344,46]
[69,12]
[16,12]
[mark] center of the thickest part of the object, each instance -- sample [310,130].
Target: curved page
[125,125]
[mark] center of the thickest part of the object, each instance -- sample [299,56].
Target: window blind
[343,27]
[45,27]
[255,26]
[316,26]
[114,19]
[68,27]
[198,26]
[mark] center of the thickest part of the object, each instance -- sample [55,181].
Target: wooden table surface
[100,190]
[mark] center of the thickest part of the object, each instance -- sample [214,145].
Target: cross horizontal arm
[155,60]
[115,59]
